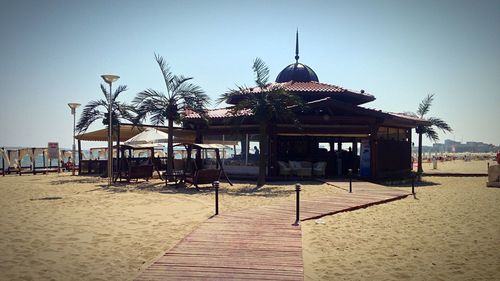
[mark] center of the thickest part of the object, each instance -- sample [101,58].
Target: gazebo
[335,130]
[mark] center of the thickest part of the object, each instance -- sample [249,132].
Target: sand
[458,166]
[108,234]
[451,232]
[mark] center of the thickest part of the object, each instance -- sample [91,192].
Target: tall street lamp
[73,107]
[109,78]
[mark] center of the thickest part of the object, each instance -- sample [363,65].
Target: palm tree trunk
[419,169]
[264,148]
[170,147]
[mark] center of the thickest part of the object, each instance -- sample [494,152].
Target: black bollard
[216,184]
[413,183]
[350,180]
[297,206]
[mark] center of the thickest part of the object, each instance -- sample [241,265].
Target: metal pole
[73,110]
[110,139]
[413,183]
[350,180]
[216,186]
[297,204]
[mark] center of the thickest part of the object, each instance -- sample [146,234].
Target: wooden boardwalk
[258,244]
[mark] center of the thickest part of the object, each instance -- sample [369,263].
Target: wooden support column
[19,161]
[43,157]
[272,164]
[373,151]
[79,157]
[408,135]
[118,150]
[3,162]
[33,161]
[198,139]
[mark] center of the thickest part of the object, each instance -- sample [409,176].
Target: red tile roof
[308,91]
[406,116]
[224,112]
[216,113]
[312,86]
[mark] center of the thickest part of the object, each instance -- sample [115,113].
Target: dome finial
[297,46]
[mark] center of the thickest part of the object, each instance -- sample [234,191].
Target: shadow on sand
[241,188]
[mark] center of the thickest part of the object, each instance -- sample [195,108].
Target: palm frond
[224,97]
[104,92]
[148,94]
[261,72]
[168,77]
[440,124]
[178,82]
[89,115]
[430,133]
[425,105]
[119,89]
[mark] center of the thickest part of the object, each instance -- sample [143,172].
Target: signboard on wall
[364,165]
[53,150]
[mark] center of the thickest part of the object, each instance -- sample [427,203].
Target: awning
[128,131]
[205,145]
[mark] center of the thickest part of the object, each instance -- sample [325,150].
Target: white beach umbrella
[148,136]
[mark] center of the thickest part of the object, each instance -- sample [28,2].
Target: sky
[53,53]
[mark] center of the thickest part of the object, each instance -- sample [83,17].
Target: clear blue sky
[53,52]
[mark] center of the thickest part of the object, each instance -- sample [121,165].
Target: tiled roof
[406,116]
[216,113]
[224,112]
[312,86]
[308,91]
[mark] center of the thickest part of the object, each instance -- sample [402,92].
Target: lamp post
[73,107]
[109,78]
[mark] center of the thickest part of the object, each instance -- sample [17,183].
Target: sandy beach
[451,231]
[108,234]
[87,232]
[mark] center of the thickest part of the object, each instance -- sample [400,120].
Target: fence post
[216,184]
[350,180]
[297,204]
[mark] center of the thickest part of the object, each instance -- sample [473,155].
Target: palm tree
[424,108]
[99,109]
[271,104]
[180,96]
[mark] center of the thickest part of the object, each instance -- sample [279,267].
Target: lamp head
[110,78]
[73,106]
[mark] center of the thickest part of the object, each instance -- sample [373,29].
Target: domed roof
[297,72]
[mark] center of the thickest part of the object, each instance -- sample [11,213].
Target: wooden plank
[258,244]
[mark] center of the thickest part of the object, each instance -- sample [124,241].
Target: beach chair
[203,176]
[140,172]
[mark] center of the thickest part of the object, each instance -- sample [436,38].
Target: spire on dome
[297,46]
[297,72]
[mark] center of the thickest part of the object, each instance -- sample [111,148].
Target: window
[324,146]
[382,133]
[392,134]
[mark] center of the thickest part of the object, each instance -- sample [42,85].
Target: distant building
[451,146]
